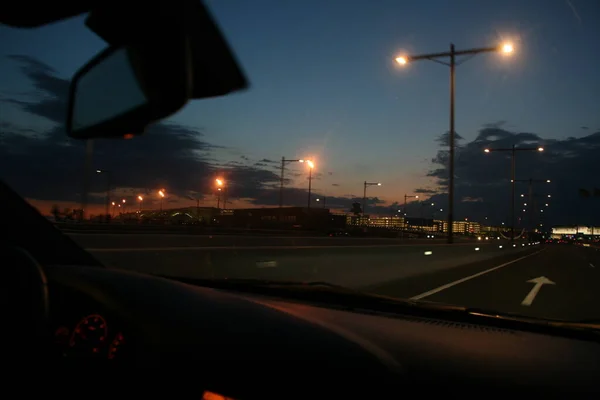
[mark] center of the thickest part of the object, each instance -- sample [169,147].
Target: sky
[324,86]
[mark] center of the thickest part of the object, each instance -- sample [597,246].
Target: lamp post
[406,196]
[220,189]
[364,202]
[530,182]
[283,162]
[161,193]
[311,165]
[513,151]
[108,183]
[436,57]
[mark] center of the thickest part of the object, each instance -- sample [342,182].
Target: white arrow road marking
[467,278]
[539,281]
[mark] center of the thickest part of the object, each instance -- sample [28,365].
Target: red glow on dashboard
[117,342]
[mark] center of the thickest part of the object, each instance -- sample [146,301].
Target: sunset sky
[324,86]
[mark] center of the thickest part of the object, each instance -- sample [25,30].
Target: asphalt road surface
[173,240]
[553,281]
[351,262]
[548,281]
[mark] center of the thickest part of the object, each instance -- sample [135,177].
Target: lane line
[592,265]
[467,278]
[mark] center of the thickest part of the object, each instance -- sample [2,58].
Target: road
[173,240]
[548,281]
[351,262]
[553,281]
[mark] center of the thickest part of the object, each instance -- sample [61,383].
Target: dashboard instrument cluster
[90,337]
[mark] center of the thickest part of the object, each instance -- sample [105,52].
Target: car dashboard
[83,329]
[284,348]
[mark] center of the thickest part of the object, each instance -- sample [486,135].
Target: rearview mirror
[125,88]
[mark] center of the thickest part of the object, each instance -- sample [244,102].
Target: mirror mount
[125,88]
[214,66]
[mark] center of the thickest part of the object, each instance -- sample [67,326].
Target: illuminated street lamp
[403,60]
[530,182]
[161,194]
[406,196]
[311,165]
[141,199]
[108,183]
[365,185]
[283,162]
[220,189]
[513,151]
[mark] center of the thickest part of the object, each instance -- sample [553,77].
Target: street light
[365,185]
[283,162]
[220,188]
[161,193]
[531,181]
[408,197]
[108,183]
[141,199]
[506,48]
[311,165]
[513,150]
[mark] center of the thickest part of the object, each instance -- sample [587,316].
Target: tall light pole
[436,57]
[513,151]
[89,151]
[311,165]
[530,182]
[141,199]
[283,162]
[406,196]
[161,194]
[364,202]
[108,183]
[220,189]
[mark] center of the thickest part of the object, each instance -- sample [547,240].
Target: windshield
[437,151]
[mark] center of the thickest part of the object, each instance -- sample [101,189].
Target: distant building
[462,227]
[559,231]
[301,218]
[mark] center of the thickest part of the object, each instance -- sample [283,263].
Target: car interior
[238,338]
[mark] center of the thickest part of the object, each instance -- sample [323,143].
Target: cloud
[471,199]
[42,163]
[569,163]
[426,191]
